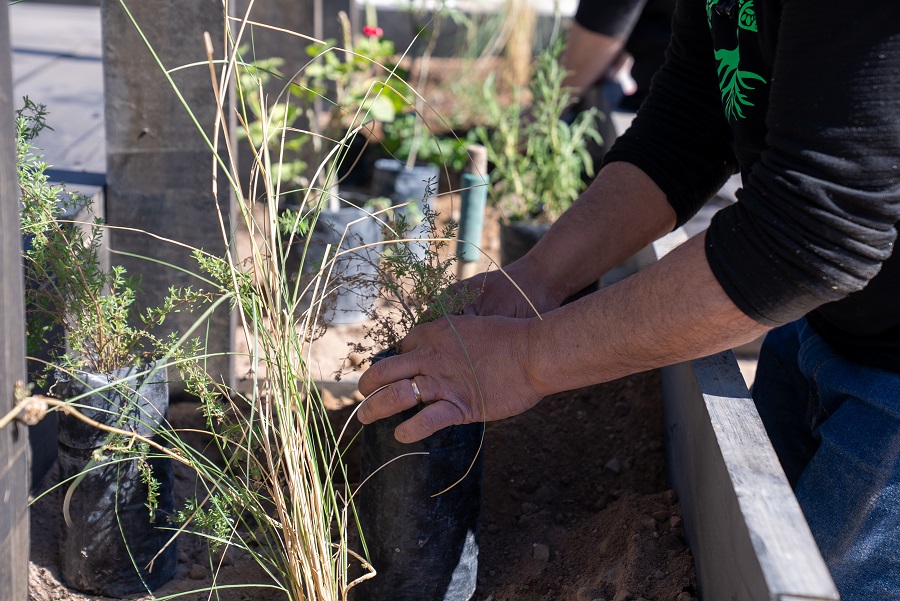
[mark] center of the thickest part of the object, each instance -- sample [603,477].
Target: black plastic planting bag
[422,542]
[517,238]
[109,538]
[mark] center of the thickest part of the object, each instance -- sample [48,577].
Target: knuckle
[429,424]
[394,397]
[368,381]
[463,413]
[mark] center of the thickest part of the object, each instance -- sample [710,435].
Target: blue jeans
[835,425]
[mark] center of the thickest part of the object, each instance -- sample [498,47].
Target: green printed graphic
[734,83]
[747,16]
[709,9]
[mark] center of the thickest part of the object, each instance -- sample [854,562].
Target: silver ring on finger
[416,392]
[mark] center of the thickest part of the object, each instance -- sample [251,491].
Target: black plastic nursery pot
[110,542]
[350,289]
[519,237]
[393,179]
[419,514]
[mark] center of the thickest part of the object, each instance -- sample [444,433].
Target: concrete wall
[159,168]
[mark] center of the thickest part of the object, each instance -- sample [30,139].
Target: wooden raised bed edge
[744,526]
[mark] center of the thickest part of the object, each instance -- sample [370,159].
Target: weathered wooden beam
[745,528]
[14,473]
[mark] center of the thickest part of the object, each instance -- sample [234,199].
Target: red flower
[373,32]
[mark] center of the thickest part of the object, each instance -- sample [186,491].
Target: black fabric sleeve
[817,214]
[680,137]
[615,18]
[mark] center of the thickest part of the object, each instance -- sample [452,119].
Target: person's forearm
[588,56]
[617,216]
[672,311]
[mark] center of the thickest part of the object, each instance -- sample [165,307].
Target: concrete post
[14,472]
[159,169]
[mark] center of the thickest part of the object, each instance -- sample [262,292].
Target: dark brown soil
[576,504]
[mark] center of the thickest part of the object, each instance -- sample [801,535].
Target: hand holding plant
[467,369]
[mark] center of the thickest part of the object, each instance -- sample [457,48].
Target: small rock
[543,495]
[493,528]
[613,465]
[589,594]
[529,508]
[674,521]
[661,516]
[655,446]
[541,552]
[671,496]
[532,520]
[684,596]
[621,409]
[197,572]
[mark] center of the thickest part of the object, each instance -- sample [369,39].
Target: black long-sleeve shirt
[803,97]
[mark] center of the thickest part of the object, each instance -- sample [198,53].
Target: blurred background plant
[538,159]
[283,117]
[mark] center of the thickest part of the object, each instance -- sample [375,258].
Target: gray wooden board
[13,439]
[747,533]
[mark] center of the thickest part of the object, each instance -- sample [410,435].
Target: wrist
[535,363]
[534,274]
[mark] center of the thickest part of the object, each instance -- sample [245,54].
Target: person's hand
[466,369]
[514,292]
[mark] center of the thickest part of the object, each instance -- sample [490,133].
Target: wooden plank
[745,528]
[744,525]
[13,439]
